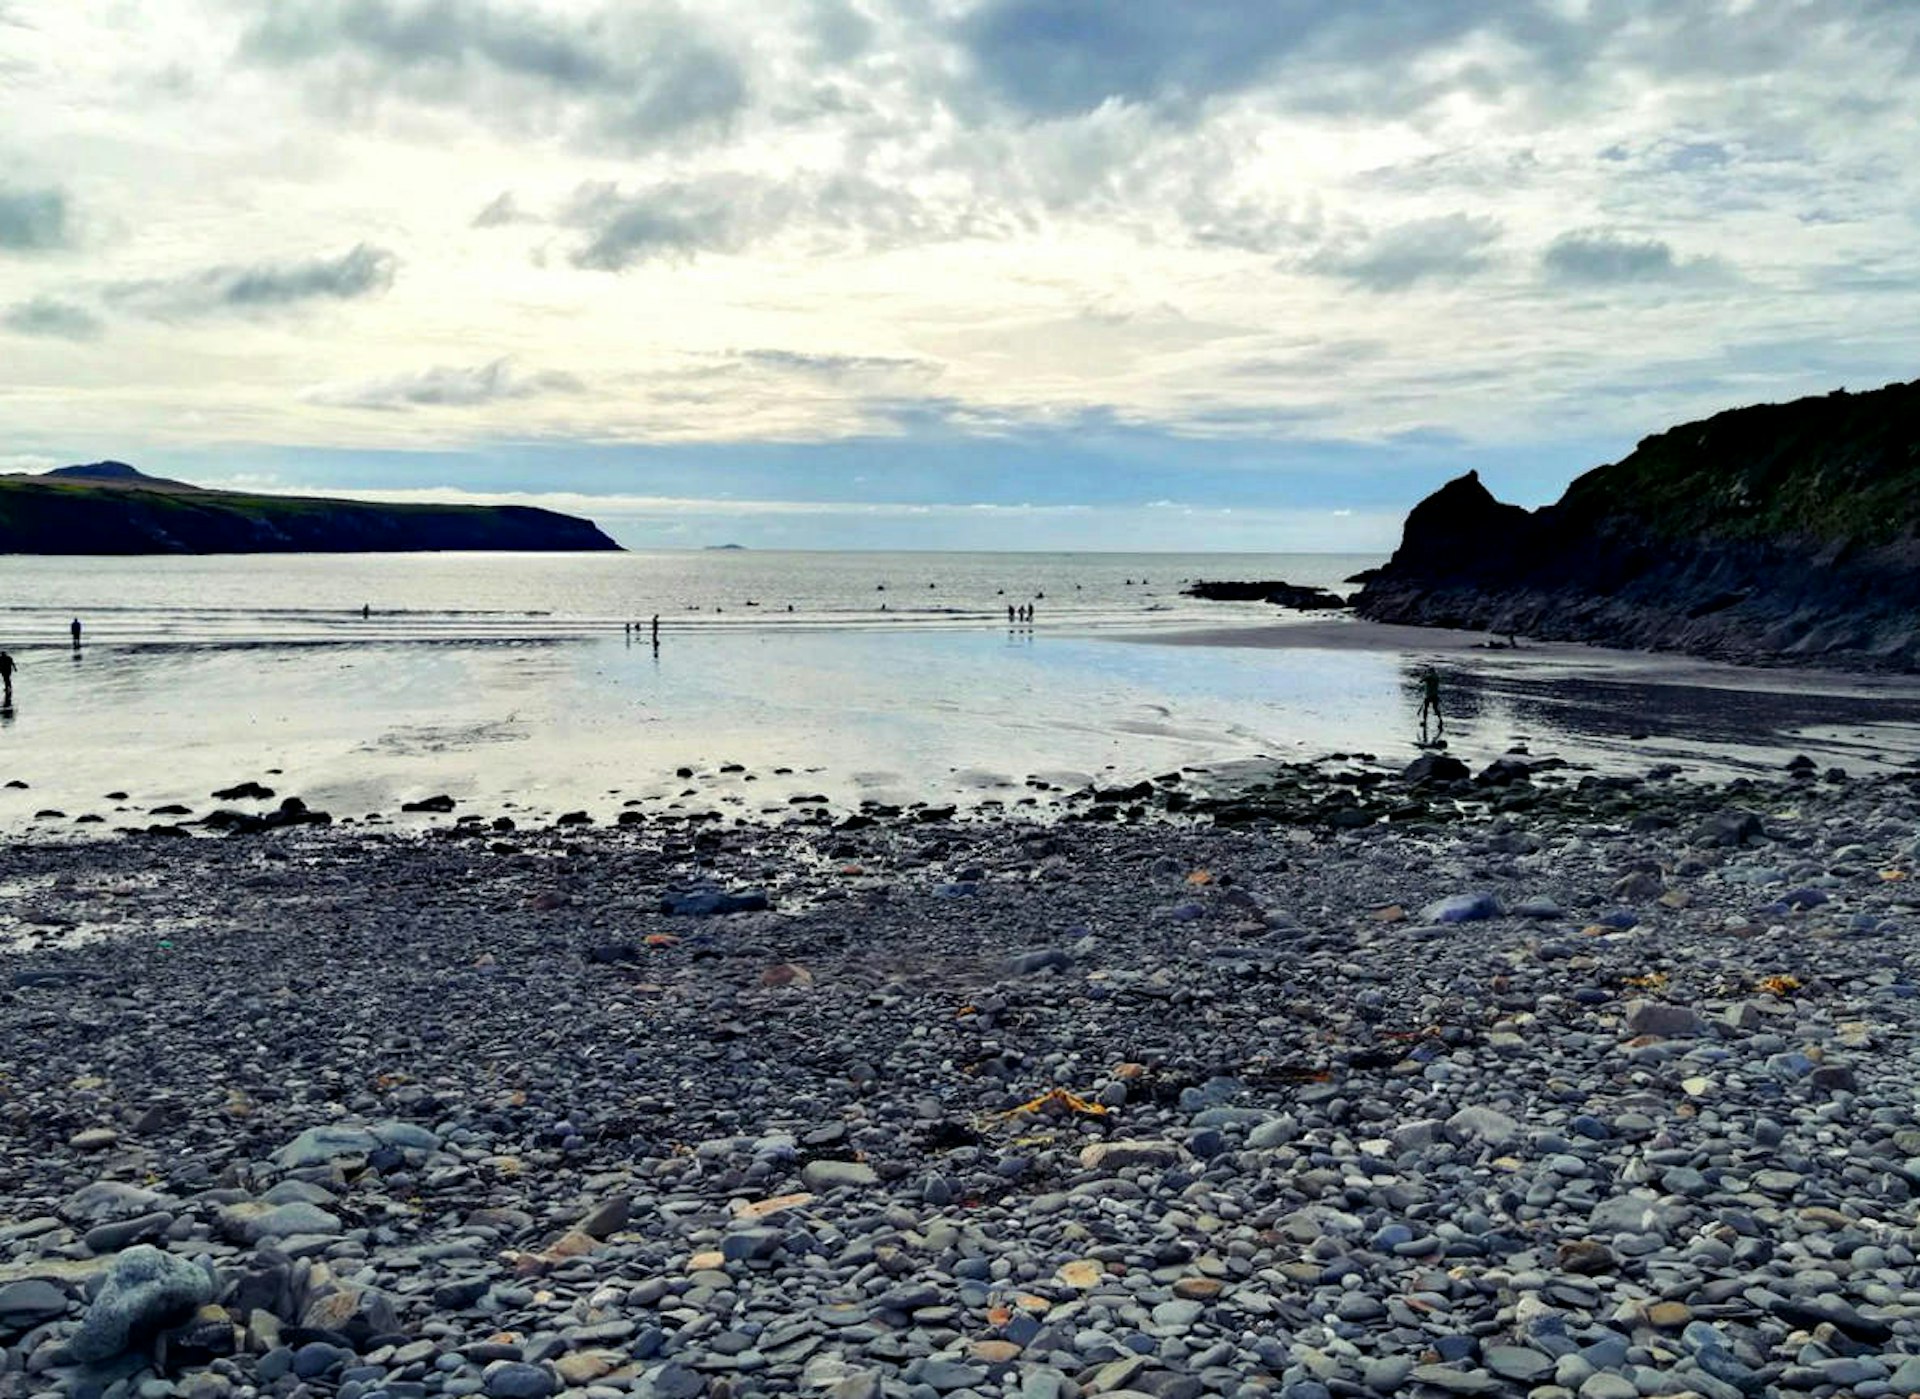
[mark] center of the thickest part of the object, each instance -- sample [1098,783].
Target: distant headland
[1781,533]
[110,508]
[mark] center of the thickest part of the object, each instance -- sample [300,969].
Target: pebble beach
[1600,1091]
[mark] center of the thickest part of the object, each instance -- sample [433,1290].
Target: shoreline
[1613,1080]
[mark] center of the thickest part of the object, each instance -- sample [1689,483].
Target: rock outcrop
[110,508]
[1278,592]
[1784,532]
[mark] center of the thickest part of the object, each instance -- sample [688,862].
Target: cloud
[445,386]
[725,212]
[671,221]
[1438,249]
[622,75]
[33,220]
[838,367]
[44,315]
[1598,257]
[362,271]
[501,210]
[1053,58]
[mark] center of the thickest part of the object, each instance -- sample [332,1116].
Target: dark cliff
[109,508]
[1784,532]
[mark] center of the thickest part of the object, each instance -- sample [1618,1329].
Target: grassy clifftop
[1778,532]
[109,508]
[1843,468]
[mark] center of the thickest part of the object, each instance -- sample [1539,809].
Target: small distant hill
[116,473]
[109,507]
[1779,532]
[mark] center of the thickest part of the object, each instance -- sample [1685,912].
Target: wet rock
[707,903]
[1461,908]
[143,1289]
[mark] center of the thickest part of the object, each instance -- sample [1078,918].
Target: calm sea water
[248,599]
[512,683]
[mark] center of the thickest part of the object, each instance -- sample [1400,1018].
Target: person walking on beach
[656,631]
[75,630]
[1430,701]
[6,677]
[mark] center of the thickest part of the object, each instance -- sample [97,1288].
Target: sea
[529,684]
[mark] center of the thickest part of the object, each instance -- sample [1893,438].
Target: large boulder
[1434,767]
[352,1143]
[143,1290]
[105,1202]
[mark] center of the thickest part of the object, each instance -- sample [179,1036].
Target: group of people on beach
[636,628]
[1021,616]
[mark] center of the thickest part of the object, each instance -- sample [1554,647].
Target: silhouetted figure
[1430,702]
[366,611]
[656,631]
[1011,617]
[6,677]
[75,629]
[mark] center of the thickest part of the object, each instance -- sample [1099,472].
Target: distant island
[1781,532]
[110,508]
[723,548]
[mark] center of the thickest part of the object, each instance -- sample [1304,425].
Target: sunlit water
[513,683]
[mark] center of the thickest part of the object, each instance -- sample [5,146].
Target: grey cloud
[44,315]
[684,85]
[1311,358]
[670,221]
[33,220]
[1596,256]
[446,386]
[841,32]
[362,271]
[501,210]
[622,75]
[1446,249]
[826,366]
[724,213]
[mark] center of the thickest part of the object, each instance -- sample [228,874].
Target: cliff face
[109,508]
[1786,532]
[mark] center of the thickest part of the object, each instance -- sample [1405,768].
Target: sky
[1107,274]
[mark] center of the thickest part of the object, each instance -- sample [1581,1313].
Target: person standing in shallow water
[1430,701]
[6,677]
[75,630]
